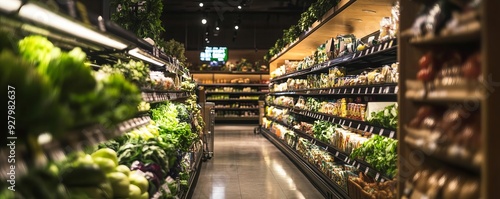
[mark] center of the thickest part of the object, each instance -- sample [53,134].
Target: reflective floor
[249,166]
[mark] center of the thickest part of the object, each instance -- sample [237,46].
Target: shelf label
[353,56]
[380,90]
[350,123]
[377,176]
[337,154]
[357,167]
[371,129]
[345,90]
[373,90]
[385,45]
[366,128]
[366,90]
[358,126]
[346,158]
[366,170]
[359,90]
[352,91]
[326,149]
[391,135]
[379,47]
[343,122]
[396,90]
[373,48]
[390,43]
[381,132]
[354,162]
[367,51]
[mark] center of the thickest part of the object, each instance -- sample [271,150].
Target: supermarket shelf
[235,84]
[327,187]
[230,100]
[419,140]
[236,108]
[236,118]
[195,173]
[383,53]
[356,124]
[76,141]
[342,156]
[236,93]
[156,97]
[336,19]
[364,90]
[469,34]
[230,72]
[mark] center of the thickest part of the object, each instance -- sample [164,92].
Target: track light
[217,28]
[201,4]
[239,7]
[236,27]
[204,21]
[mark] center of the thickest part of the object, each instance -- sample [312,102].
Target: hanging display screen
[214,54]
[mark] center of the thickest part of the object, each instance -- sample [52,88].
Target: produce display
[450,69]
[380,152]
[441,183]
[444,18]
[363,186]
[388,117]
[160,82]
[157,149]
[134,71]
[233,89]
[237,113]
[39,70]
[453,133]
[231,81]
[336,77]
[228,97]
[236,105]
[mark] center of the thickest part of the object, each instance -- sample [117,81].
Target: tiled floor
[249,166]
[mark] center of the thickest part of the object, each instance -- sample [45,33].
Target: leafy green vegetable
[388,117]
[323,130]
[380,152]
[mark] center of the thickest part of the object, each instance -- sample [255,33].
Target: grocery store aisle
[249,166]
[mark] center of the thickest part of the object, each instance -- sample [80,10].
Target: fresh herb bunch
[323,130]
[380,152]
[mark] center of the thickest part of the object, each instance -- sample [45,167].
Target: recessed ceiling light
[204,21]
[201,4]
[239,7]
[370,11]
[236,27]
[217,28]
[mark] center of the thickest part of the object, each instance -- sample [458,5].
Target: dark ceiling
[260,22]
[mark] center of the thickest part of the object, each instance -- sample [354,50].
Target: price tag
[322,117]
[381,132]
[343,122]
[380,90]
[390,43]
[366,170]
[345,91]
[333,120]
[396,89]
[359,90]
[366,128]
[350,123]
[346,158]
[352,91]
[353,56]
[354,162]
[366,90]
[373,49]
[391,135]
[357,167]
[367,51]
[379,47]
[338,91]
[385,45]
[377,176]
[337,154]
[358,126]
[371,129]
[373,90]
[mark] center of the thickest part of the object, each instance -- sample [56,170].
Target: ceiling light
[201,4]
[236,27]
[204,21]
[41,15]
[208,41]
[239,7]
[217,28]
[206,38]
[370,11]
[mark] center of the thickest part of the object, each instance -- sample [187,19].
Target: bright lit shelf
[358,17]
